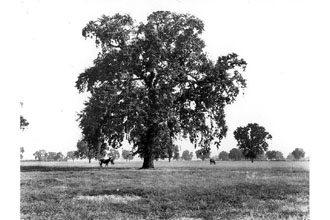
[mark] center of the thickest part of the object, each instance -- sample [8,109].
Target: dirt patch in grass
[117,199]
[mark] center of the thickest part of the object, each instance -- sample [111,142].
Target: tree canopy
[235,154]
[274,155]
[223,155]
[298,153]
[40,155]
[23,123]
[186,155]
[153,81]
[252,140]
[127,155]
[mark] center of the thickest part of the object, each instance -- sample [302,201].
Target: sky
[283,42]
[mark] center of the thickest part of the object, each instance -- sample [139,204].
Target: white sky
[280,40]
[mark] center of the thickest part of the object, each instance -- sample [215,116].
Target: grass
[176,190]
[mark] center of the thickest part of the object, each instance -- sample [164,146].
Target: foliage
[167,152]
[151,82]
[235,154]
[85,150]
[290,157]
[261,157]
[71,155]
[127,155]
[203,154]
[23,123]
[21,152]
[51,156]
[252,140]
[114,154]
[40,155]
[59,156]
[274,155]
[223,155]
[298,153]
[186,155]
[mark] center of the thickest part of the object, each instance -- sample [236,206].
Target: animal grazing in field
[212,161]
[106,161]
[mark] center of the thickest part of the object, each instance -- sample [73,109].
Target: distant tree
[235,154]
[23,123]
[22,151]
[279,156]
[59,156]
[40,155]
[261,157]
[274,155]
[114,154]
[223,155]
[176,155]
[86,150]
[298,153]
[186,155]
[203,154]
[71,155]
[127,155]
[290,157]
[51,156]
[252,140]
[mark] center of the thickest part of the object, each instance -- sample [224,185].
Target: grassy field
[176,190]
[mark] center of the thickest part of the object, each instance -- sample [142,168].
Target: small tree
[23,123]
[59,156]
[114,154]
[252,140]
[51,156]
[298,153]
[261,157]
[22,151]
[186,155]
[271,155]
[274,155]
[223,155]
[127,155]
[86,150]
[290,157]
[203,154]
[40,155]
[71,155]
[235,154]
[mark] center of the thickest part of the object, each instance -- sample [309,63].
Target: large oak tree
[153,81]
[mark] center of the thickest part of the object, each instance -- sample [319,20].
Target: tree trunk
[148,154]
[148,161]
[89,160]
[251,160]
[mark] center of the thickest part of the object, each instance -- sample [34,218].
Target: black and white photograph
[177,109]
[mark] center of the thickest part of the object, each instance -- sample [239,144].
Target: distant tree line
[273,155]
[43,155]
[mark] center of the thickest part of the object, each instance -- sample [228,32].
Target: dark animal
[212,161]
[106,161]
